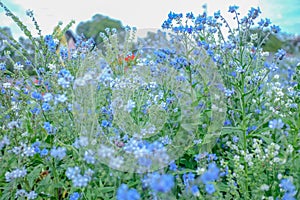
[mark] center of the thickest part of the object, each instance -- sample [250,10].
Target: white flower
[18,66]
[52,67]
[276,76]
[264,187]
[7,85]
[276,160]
[290,149]
[61,98]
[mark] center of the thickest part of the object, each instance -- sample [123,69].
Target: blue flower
[36,146]
[35,110]
[79,180]
[235,139]
[253,13]
[289,188]
[36,95]
[47,97]
[173,166]
[89,157]
[288,196]
[162,183]
[63,82]
[195,190]
[2,67]
[211,174]
[280,54]
[46,106]
[50,43]
[58,153]
[187,178]
[17,173]
[273,67]
[276,124]
[49,128]
[44,152]
[275,29]
[123,193]
[61,98]
[211,157]
[217,14]
[287,185]
[190,15]
[105,123]
[32,195]
[267,22]
[210,188]
[228,92]
[63,53]
[233,9]
[75,196]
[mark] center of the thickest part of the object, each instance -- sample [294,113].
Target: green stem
[244,129]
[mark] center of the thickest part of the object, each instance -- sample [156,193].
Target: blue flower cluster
[289,188]
[212,174]
[78,180]
[17,173]
[159,182]
[124,193]
[51,44]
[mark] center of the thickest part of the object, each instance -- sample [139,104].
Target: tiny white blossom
[7,85]
[264,187]
[18,66]
[52,67]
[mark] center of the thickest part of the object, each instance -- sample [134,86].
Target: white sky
[138,13]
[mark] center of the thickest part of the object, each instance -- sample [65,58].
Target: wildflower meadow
[200,111]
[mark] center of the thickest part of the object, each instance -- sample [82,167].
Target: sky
[142,14]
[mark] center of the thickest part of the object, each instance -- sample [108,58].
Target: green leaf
[33,175]
[106,189]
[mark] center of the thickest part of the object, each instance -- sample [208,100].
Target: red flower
[36,81]
[129,58]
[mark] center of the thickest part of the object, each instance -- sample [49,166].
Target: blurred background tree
[98,24]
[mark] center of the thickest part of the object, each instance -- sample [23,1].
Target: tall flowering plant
[203,113]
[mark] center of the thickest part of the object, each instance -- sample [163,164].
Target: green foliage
[272,44]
